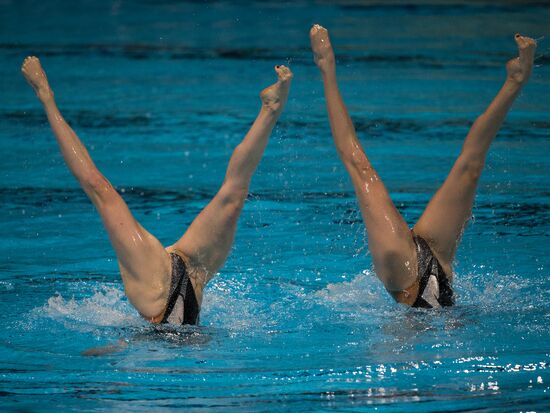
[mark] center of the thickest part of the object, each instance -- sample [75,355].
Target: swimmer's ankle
[514,83]
[45,96]
[326,63]
[274,108]
[328,74]
[328,69]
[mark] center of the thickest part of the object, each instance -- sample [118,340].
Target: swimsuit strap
[180,286]
[191,307]
[429,265]
[178,274]
[446,294]
[425,265]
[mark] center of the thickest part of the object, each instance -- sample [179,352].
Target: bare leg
[443,221]
[144,264]
[209,238]
[390,241]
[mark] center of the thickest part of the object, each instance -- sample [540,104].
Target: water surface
[296,321]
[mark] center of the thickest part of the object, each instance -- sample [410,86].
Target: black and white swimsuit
[182,307]
[435,289]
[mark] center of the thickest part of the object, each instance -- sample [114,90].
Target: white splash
[227,305]
[361,293]
[106,307]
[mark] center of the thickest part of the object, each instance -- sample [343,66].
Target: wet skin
[145,265]
[390,240]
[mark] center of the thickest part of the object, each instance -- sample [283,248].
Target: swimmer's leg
[105,350]
[208,239]
[145,265]
[442,222]
[390,240]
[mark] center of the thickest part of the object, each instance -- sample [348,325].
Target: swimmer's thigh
[208,240]
[145,265]
[389,238]
[445,216]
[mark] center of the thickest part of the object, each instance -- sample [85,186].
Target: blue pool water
[296,321]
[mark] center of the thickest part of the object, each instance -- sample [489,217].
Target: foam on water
[361,293]
[356,320]
[227,305]
[230,305]
[106,307]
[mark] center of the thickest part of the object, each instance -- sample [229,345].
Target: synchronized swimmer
[415,265]
[166,285]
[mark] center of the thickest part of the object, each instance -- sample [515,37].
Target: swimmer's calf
[103,350]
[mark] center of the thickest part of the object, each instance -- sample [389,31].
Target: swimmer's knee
[357,160]
[471,166]
[98,187]
[233,196]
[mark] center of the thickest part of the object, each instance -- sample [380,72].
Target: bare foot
[274,97]
[33,72]
[322,49]
[519,69]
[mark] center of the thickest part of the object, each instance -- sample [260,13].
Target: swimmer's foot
[519,69]
[322,49]
[35,75]
[274,97]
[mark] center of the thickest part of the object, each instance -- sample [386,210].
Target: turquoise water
[295,321]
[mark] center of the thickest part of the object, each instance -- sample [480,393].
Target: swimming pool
[295,321]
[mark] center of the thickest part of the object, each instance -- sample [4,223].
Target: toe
[283,72]
[521,41]
[29,60]
[317,30]
[314,29]
[526,46]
